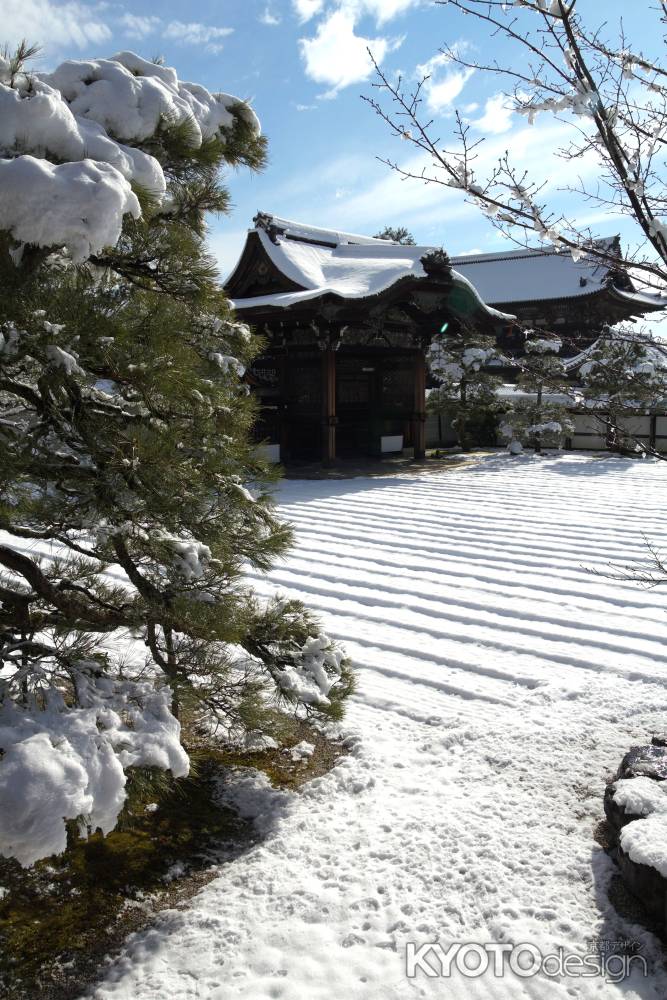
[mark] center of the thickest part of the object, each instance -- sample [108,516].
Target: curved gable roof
[318,261]
[322,262]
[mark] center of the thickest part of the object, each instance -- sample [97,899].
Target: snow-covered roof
[515,394]
[654,351]
[325,261]
[314,234]
[349,269]
[543,274]
[353,266]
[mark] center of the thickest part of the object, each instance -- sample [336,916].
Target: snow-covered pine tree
[467,390]
[544,418]
[131,498]
[396,234]
[623,374]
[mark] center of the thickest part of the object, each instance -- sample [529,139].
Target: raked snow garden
[501,675]
[333,605]
[500,678]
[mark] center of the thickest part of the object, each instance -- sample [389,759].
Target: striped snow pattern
[502,675]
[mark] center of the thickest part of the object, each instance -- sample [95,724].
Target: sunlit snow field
[500,681]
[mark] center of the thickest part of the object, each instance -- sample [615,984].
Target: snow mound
[301,751]
[61,763]
[251,793]
[641,796]
[645,842]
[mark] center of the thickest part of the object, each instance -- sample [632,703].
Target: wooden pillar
[328,406]
[284,440]
[653,435]
[419,416]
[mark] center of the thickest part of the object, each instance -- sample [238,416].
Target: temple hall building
[347,320]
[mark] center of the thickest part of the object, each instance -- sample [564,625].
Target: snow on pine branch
[316,667]
[450,364]
[62,762]
[190,557]
[67,173]
[76,205]
[543,345]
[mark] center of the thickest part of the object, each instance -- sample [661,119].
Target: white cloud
[441,90]
[305,9]
[194,33]
[497,117]
[381,10]
[69,23]
[138,27]
[269,18]
[337,57]
[441,94]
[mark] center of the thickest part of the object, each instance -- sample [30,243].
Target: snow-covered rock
[636,808]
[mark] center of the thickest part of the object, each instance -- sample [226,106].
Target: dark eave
[596,296]
[427,299]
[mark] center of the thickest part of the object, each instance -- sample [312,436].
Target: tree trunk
[538,414]
[172,671]
[462,420]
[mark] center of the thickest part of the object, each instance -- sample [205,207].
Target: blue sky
[303,64]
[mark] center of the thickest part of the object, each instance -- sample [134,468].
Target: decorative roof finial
[266,222]
[436,263]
